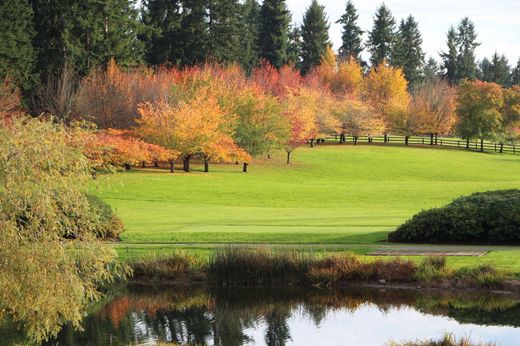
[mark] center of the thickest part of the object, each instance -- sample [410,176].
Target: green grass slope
[330,194]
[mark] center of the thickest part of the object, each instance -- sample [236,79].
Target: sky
[497,22]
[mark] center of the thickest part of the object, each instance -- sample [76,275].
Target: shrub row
[486,217]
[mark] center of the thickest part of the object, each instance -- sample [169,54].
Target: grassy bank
[330,195]
[244,268]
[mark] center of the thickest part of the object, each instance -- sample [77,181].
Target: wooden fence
[474,145]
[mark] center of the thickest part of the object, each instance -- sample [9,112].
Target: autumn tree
[299,109]
[52,265]
[354,117]
[260,126]
[511,113]
[194,126]
[386,92]
[478,110]
[434,104]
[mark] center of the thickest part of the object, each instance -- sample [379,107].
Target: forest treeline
[41,39]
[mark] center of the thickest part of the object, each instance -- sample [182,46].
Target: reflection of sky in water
[369,326]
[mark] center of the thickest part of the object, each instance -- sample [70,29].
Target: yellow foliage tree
[386,93]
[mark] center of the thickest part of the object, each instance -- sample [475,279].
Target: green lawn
[330,195]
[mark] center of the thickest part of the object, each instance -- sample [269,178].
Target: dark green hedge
[488,217]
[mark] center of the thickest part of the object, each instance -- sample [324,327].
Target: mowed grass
[331,194]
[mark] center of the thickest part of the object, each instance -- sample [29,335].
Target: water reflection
[291,316]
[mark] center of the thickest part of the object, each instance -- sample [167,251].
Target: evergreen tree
[273,35]
[382,36]
[496,70]
[408,53]
[466,41]
[163,17]
[17,55]
[515,74]
[85,34]
[449,58]
[224,30]
[315,36]
[249,21]
[194,33]
[431,69]
[351,34]
[294,52]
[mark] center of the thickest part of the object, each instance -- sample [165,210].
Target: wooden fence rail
[474,145]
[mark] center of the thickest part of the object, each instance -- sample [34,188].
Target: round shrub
[484,217]
[109,226]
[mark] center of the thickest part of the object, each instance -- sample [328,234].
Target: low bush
[486,217]
[174,267]
[432,269]
[447,340]
[110,225]
[484,276]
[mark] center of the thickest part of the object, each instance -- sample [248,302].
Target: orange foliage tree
[434,105]
[192,127]
[385,91]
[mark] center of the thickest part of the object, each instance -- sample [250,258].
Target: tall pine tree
[431,69]
[163,18]
[17,55]
[273,35]
[249,22]
[224,30]
[294,52]
[496,70]
[351,34]
[449,58]
[315,36]
[467,43]
[194,32]
[515,74]
[408,53]
[382,37]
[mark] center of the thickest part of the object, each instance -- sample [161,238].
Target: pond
[202,316]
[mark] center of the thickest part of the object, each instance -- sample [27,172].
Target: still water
[200,316]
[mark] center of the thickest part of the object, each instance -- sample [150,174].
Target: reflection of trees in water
[223,316]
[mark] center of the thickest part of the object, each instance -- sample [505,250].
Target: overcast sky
[497,22]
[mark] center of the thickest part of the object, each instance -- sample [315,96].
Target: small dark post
[244,168]
[355,140]
[481,145]
[288,157]
[386,138]
[206,165]
[431,138]
[436,138]
[172,166]
[467,143]
[312,142]
[501,148]
[406,140]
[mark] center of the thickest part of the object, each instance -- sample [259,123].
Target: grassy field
[330,195]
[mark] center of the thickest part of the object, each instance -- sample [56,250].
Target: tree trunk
[127,166]
[244,168]
[355,140]
[431,138]
[288,157]
[268,155]
[172,166]
[187,163]
[206,165]
[467,143]
[481,145]
[156,163]
[312,142]
[386,137]
[501,148]
[143,164]
[406,140]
